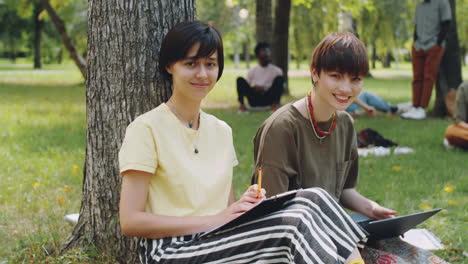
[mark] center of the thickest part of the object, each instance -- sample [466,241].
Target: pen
[259,183]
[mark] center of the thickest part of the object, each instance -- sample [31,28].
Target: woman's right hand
[248,201]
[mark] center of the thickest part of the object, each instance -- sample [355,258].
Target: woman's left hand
[380,212]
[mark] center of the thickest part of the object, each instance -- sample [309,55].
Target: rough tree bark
[60,26]
[123,82]
[280,37]
[449,76]
[263,21]
[38,25]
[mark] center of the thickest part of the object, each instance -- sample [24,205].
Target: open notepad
[265,207]
[391,227]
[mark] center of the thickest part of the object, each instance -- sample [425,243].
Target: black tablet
[392,227]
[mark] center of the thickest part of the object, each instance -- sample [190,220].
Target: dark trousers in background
[425,69]
[272,96]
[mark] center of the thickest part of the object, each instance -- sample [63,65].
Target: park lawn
[43,147]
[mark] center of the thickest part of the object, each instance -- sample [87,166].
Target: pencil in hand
[259,183]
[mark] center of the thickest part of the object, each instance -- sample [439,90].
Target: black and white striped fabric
[312,228]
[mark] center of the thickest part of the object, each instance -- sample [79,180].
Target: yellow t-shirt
[184,183]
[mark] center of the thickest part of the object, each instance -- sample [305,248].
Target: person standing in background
[432,22]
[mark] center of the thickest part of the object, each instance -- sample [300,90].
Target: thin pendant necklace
[189,123]
[317,131]
[179,116]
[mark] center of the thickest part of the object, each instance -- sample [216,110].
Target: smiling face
[339,63]
[192,77]
[335,91]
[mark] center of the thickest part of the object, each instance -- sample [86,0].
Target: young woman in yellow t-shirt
[177,164]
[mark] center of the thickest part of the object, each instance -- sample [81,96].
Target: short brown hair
[342,52]
[182,37]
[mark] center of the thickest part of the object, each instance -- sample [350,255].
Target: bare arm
[353,200]
[369,109]
[232,198]
[134,221]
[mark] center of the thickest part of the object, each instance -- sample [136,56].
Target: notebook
[265,207]
[391,227]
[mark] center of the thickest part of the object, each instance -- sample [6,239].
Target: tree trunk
[280,38]
[60,26]
[347,23]
[123,82]
[387,60]
[449,76]
[37,35]
[236,53]
[12,49]
[298,46]
[247,52]
[374,54]
[263,21]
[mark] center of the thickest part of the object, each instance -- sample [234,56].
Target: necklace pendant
[195,151]
[190,124]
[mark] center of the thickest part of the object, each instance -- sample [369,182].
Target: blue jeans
[372,100]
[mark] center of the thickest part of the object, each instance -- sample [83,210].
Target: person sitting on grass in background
[264,84]
[177,163]
[312,142]
[456,134]
[371,103]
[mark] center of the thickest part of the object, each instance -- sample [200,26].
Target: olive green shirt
[292,157]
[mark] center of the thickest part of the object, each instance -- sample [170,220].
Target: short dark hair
[342,52]
[259,46]
[182,37]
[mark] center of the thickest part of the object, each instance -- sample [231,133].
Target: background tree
[123,82]
[449,76]
[67,41]
[263,21]
[385,27]
[38,25]
[234,19]
[462,26]
[280,53]
[311,20]
[12,29]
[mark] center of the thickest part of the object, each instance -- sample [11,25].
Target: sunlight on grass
[43,148]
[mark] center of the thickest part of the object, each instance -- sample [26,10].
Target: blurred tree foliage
[385,26]
[17,28]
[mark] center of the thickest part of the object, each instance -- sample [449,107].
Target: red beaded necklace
[314,122]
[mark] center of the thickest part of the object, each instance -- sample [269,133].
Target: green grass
[42,152]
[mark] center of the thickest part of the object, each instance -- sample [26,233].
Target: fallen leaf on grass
[425,207]
[449,188]
[60,200]
[75,169]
